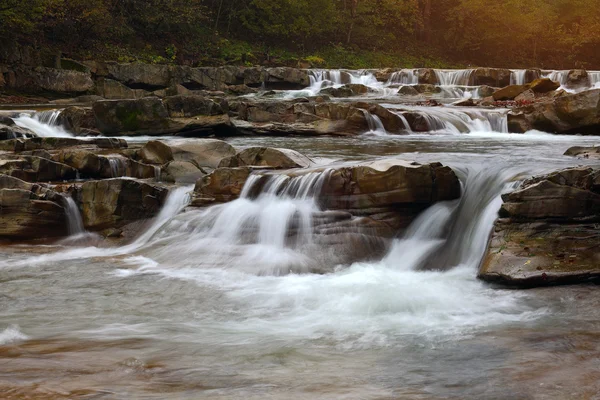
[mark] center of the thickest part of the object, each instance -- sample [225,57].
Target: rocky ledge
[548,232]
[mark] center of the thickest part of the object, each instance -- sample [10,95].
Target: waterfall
[404,77]
[518,76]
[375,125]
[460,77]
[462,120]
[594,78]
[157,173]
[74,220]
[451,234]
[118,166]
[557,76]
[43,124]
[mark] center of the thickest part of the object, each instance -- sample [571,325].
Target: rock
[485,91]
[30,211]
[577,78]
[36,169]
[408,91]
[114,90]
[509,92]
[221,186]
[518,123]
[35,80]
[20,145]
[286,78]
[495,77]
[10,131]
[86,162]
[191,106]
[526,96]
[267,157]
[391,121]
[348,90]
[548,232]
[77,120]
[241,90]
[544,85]
[184,172]
[427,76]
[155,152]
[143,116]
[202,152]
[464,103]
[569,114]
[584,152]
[390,192]
[114,202]
[427,89]
[140,76]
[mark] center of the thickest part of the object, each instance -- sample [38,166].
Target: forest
[327,33]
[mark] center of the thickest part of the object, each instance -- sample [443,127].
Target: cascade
[557,76]
[74,220]
[461,77]
[118,166]
[404,77]
[594,78]
[518,76]
[43,124]
[375,125]
[462,120]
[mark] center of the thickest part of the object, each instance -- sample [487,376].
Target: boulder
[114,202]
[577,78]
[427,89]
[49,143]
[77,120]
[569,114]
[543,85]
[495,77]
[509,92]
[548,232]
[284,78]
[156,152]
[114,90]
[30,211]
[348,90]
[140,76]
[267,157]
[8,130]
[36,169]
[526,96]
[191,106]
[143,116]
[408,91]
[485,91]
[202,152]
[584,152]
[427,76]
[221,186]
[183,172]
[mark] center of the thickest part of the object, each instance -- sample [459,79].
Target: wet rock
[568,114]
[427,76]
[348,90]
[184,172]
[577,78]
[485,91]
[548,232]
[8,130]
[267,157]
[584,152]
[114,202]
[465,103]
[30,211]
[156,152]
[495,77]
[427,89]
[202,152]
[221,186]
[543,85]
[77,120]
[408,91]
[509,92]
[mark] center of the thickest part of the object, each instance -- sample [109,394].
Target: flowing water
[256,299]
[43,124]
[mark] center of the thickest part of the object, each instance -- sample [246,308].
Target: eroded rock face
[495,77]
[509,92]
[115,202]
[30,211]
[49,79]
[202,152]
[575,113]
[548,232]
[584,152]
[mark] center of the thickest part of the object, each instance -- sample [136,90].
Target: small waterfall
[594,78]
[157,173]
[74,220]
[404,77]
[457,120]
[43,124]
[518,76]
[451,234]
[460,77]
[118,166]
[557,76]
[404,121]
[375,125]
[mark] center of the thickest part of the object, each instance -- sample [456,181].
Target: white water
[448,77]
[404,77]
[518,77]
[12,334]
[375,125]
[74,220]
[43,124]
[461,120]
[118,165]
[594,78]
